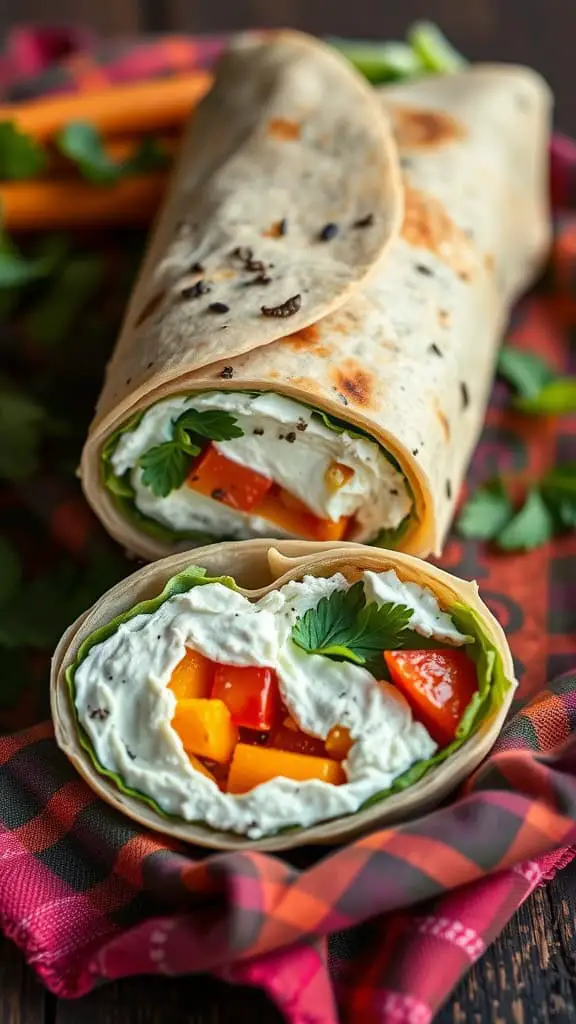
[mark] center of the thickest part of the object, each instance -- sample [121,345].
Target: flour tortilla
[259,566]
[407,352]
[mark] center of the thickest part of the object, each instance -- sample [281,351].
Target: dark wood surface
[528,975]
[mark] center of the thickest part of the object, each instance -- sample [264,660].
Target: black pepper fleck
[365,222]
[448,489]
[195,290]
[434,348]
[219,307]
[100,714]
[196,268]
[393,491]
[291,437]
[128,380]
[465,395]
[150,364]
[258,431]
[423,269]
[287,308]
[415,451]
[130,754]
[226,373]
[218,494]
[328,232]
[301,425]
[283,226]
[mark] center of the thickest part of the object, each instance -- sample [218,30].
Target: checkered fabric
[381,929]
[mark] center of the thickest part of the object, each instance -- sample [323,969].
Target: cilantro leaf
[525,371]
[165,467]
[81,143]
[214,424]
[558,488]
[486,512]
[21,156]
[9,570]
[17,269]
[558,397]
[344,626]
[22,424]
[433,49]
[531,526]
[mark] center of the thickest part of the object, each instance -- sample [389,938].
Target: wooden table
[529,974]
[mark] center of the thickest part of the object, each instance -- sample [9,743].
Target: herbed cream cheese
[283,441]
[125,705]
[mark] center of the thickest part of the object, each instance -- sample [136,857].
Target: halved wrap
[311,342]
[271,696]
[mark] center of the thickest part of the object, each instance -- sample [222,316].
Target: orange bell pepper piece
[192,676]
[288,512]
[338,742]
[253,765]
[200,767]
[438,685]
[219,478]
[250,694]
[205,728]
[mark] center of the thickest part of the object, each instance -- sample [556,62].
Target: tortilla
[259,566]
[400,320]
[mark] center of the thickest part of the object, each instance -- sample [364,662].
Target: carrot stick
[33,205]
[148,106]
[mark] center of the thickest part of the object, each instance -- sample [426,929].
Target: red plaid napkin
[380,930]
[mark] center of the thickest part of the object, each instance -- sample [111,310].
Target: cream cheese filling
[282,440]
[125,705]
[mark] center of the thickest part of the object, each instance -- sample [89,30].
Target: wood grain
[22,998]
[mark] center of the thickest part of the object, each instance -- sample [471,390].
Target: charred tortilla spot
[448,490]
[283,129]
[425,129]
[489,262]
[151,306]
[354,383]
[226,373]
[464,390]
[443,317]
[428,226]
[307,337]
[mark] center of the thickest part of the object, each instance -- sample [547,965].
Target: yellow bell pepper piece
[192,676]
[253,765]
[338,742]
[205,728]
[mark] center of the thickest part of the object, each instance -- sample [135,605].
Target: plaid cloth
[382,929]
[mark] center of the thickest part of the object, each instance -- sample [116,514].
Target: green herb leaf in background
[486,512]
[82,143]
[558,488]
[539,389]
[17,269]
[531,527]
[23,423]
[344,626]
[21,157]
[165,467]
[381,62]
[52,318]
[435,52]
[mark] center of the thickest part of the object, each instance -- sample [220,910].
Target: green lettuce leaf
[184,581]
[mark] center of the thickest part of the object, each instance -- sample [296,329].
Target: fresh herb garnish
[427,51]
[23,424]
[344,626]
[166,466]
[549,509]
[21,157]
[81,143]
[538,388]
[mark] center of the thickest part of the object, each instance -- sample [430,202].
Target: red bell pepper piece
[438,685]
[220,478]
[250,694]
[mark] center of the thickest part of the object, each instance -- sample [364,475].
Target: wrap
[259,568]
[403,282]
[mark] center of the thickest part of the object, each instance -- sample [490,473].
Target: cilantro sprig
[82,144]
[344,626]
[21,157]
[539,390]
[549,509]
[166,466]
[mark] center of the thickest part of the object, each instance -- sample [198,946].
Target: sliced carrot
[147,106]
[438,685]
[226,481]
[192,676]
[205,728]
[32,205]
[253,765]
